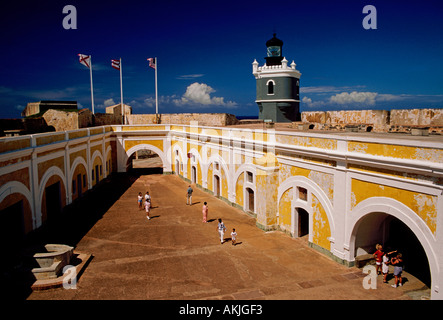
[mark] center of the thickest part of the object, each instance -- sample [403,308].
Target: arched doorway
[393,234]
[144,161]
[250,200]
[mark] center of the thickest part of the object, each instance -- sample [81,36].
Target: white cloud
[200,94]
[328,89]
[306,100]
[354,97]
[109,102]
[190,76]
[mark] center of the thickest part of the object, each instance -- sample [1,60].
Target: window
[84,181]
[249,176]
[74,189]
[270,87]
[302,193]
[216,166]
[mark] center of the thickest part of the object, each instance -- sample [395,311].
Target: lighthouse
[278,85]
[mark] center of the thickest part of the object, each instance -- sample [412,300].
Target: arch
[401,212]
[75,163]
[177,157]
[217,158]
[12,187]
[246,167]
[196,165]
[52,171]
[150,147]
[312,187]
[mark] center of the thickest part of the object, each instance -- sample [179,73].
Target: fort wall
[402,120]
[349,185]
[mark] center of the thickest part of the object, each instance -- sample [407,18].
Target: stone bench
[364,259]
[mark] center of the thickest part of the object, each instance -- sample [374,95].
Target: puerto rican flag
[85,60]
[115,64]
[152,62]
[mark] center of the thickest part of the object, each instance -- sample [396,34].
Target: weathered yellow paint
[142,128]
[424,205]
[210,173]
[52,138]
[284,209]
[77,134]
[321,230]
[239,190]
[14,144]
[267,160]
[309,142]
[224,184]
[132,143]
[397,151]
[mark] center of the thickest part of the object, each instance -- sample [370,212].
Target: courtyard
[175,256]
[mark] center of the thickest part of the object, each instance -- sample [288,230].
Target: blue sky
[205,51]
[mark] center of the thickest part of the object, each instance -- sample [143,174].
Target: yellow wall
[320,228]
[424,205]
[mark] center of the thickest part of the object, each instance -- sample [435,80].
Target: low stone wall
[403,120]
[203,119]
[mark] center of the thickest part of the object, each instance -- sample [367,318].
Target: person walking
[148,208]
[205,212]
[189,196]
[397,262]
[233,237]
[148,197]
[139,200]
[221,230]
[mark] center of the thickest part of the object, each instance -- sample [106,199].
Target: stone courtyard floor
[174,256]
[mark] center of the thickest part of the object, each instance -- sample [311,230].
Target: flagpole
[92,88]
[156,92]
[121,94]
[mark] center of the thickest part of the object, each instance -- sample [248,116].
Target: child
[233,237]
[147,208]
[378,257]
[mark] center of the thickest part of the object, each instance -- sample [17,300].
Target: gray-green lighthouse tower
[278,85]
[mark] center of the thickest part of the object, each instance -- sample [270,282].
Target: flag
[115,64]
[85,60]
[151,62]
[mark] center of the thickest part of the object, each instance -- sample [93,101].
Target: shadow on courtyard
[69,228]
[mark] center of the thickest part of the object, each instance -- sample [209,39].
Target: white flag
[85,60]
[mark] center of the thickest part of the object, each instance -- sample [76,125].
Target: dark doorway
[12,230]
[250,194]
[193,175]
[303,222]
[401,238]
[53,201]
[79,185]
[216,186]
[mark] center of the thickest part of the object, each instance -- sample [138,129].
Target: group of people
[384,259]
[220,227]
[146,204]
